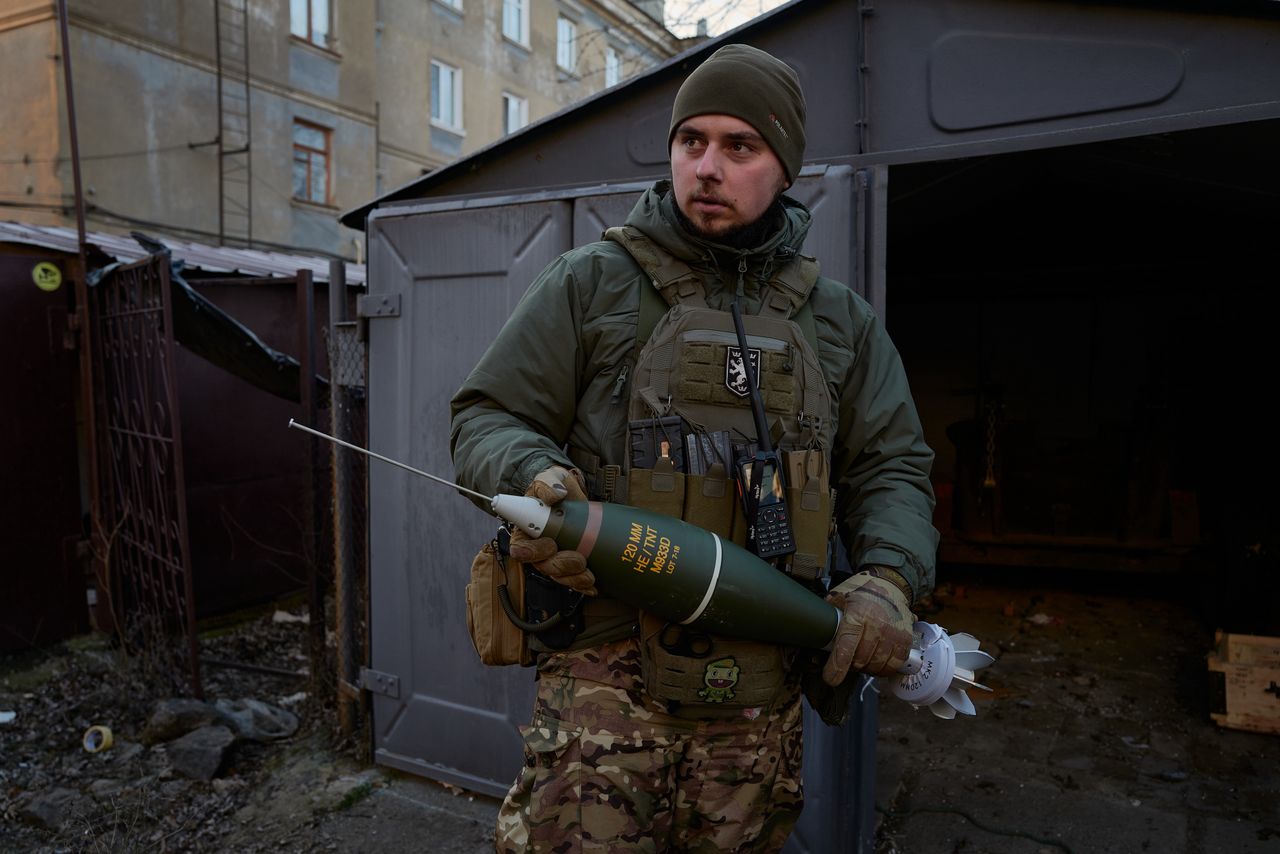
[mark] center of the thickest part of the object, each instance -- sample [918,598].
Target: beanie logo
[773,118]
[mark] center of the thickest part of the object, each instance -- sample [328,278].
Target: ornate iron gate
[140,531]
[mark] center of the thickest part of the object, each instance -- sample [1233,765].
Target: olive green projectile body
[690,575]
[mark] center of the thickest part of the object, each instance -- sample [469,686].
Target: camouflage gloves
[565,567]
[875,634]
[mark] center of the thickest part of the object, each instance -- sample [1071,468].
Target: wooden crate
[1244,682]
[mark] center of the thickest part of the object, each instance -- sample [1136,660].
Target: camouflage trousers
[608,768]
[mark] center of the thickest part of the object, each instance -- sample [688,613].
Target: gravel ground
[1096,738]
[265,796]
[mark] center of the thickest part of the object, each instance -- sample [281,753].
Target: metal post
[860,776]
[71,125]
[344,561]
[217,54]
[248,130]
[103,614]
[306,312]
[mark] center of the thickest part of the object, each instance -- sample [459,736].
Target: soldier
[646,737]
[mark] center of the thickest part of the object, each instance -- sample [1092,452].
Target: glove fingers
[897,659]
[576,486]
[869,657]
[883,650]
[556,484]
[528,550]
[570,569]
[837,666]
[547,493]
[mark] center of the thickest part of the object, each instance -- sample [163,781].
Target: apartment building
[255,122]
[490,67]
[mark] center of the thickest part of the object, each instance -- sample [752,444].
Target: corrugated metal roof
[196,256]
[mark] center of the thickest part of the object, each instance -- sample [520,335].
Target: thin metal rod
[396,463]
[253,668]
[217,54]
[763,440]
[72,131]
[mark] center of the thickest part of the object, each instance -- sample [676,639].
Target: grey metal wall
[911,81]
[456,275]
[443,278]
[952,78]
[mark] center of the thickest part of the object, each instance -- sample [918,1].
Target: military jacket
[556,376]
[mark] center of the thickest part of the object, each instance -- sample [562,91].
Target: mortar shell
[689,575]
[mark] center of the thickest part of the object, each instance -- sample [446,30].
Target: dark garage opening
[1090,333]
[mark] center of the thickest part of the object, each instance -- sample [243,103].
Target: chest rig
[689,383]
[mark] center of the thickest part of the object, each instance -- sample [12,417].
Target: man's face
[724,174]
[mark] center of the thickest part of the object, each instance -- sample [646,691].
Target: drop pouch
[497,640]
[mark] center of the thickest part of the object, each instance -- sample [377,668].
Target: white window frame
[452,5]
[566,44]
[515,21]
[612,66]
[451,119]
[303,18]
[515,113]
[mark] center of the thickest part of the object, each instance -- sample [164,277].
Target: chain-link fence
[348,483]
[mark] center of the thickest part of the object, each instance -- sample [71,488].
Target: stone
[199,754]
[258,721]
[53,808]
[346,790]
[125,751]
[178,716]
[105,789]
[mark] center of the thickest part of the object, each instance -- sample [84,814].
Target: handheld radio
[762,476]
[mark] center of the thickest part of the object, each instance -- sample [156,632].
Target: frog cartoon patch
[720,677]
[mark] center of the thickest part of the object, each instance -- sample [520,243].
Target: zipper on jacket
[620,384]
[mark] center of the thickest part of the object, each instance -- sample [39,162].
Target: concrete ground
[406,813]
[1096,738]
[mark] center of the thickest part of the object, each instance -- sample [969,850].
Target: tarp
[209,332]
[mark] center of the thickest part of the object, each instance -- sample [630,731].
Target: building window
[515,21]
[455,5]
[446,96]
[612,67]
[566,44]
[311,162]
[309,21]
[515,112]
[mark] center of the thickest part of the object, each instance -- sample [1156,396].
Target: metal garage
[1060,209]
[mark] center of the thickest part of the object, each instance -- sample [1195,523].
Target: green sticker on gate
[47,276]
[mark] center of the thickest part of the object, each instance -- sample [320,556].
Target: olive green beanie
[749,84]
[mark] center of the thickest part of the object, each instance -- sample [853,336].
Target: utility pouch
[701,672]
[809,505]
[710,499]
[495,637]
[660,488]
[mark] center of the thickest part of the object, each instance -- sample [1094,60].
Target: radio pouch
[508,602]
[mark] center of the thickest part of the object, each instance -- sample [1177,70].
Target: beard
[746,236]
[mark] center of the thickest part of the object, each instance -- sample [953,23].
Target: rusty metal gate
[141,560]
